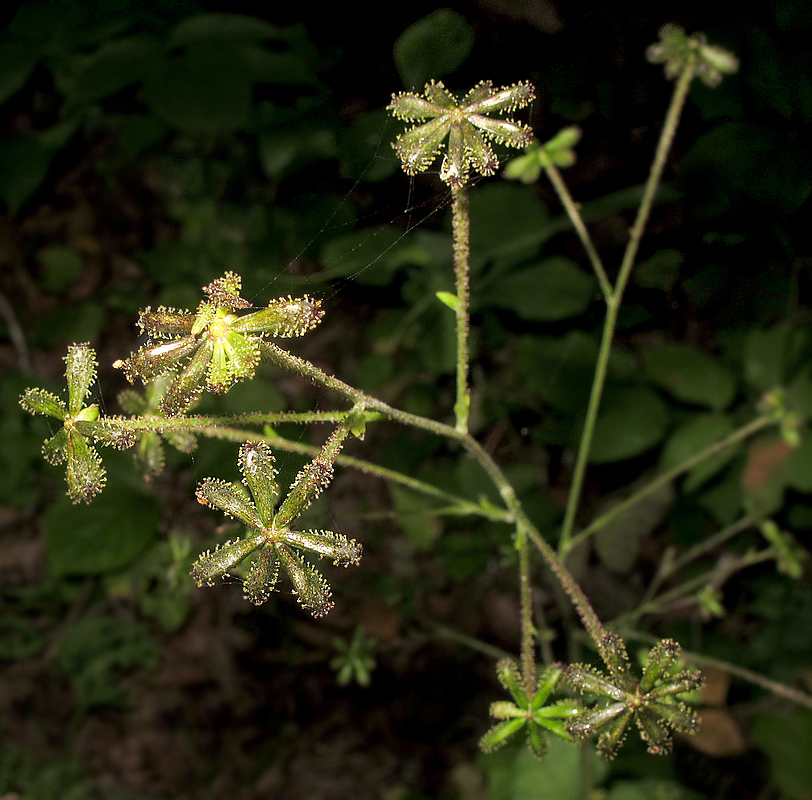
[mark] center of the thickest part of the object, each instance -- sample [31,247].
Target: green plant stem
[673,565]
[716,576]
[615,298]
[457,505]
[304,368]
[578,223]
[619,510]
[780,689]
[528,644]
[462,276]
[196,423]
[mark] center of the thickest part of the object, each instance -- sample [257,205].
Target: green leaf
[207,27]
[434,46]
[632,421]
[691,376]
[661,271]
[799,465]
[771,357]
[547,291]
[451,300]
[16,63]
[206,90]
[416,516]
[24,163]
[787,741]
[723,173]
[692,437]
[102,537]
[113,67]
[561,775]
[618,544]
[507,222]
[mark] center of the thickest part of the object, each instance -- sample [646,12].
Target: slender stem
[661,480]
[457,505]
[197,423]
[461,231]
[578,223]
[528,645]
[524,526]
[615,299]
[717,576]
[672,565]
[780,689]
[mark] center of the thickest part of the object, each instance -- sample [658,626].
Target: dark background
[119,679]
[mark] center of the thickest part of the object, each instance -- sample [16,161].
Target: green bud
[225,292]
[343,551]
[310,587]
[496,736]
[284,317]
[586,679]
[230,498]
[166,322]
[507,670]
[661,658]
[80,372]
[653,732]
[211,565]
[38,401]
[85,474]
[258,467]
[262,576]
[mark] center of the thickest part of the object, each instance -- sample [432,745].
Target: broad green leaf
[799,465]
[206,90]
[24,163]
[372,256]
[692,437]
[723,172]
[104,536]
[558,370]
[213,27]
[771,357]
[787,741]
[113,67]
[661,271]
[507,222]
[547,291]
[432,47]
[416,516]
[17,60]
[559,776]
[631,422]
[691,376]
[723,500]
[618,544]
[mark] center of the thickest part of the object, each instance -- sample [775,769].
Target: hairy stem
[528,645]
[462,276]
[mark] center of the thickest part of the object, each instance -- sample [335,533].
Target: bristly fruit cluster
[620,697]
[81,428]
[531,711]
[677,50]
[213,347]
[467,123]
[270,534]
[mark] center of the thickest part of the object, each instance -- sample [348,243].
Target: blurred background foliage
[146,147]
